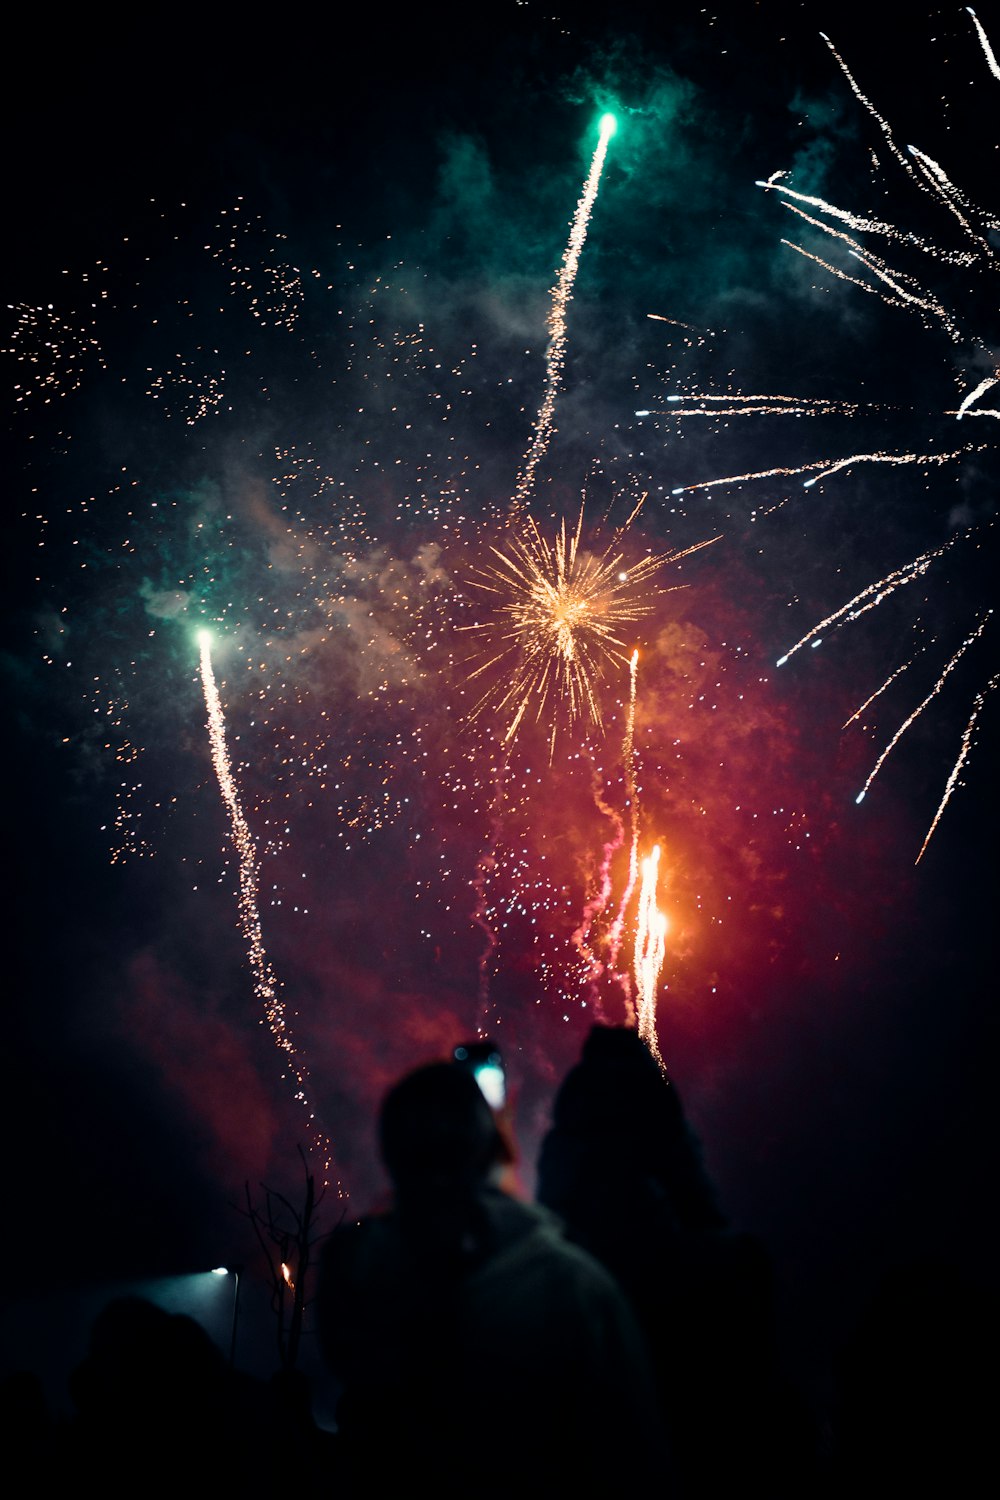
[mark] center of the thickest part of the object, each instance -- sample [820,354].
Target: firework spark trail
[930,184]
[973,397]
[984,39]
[599,902]
[954,197]
[963,754]
[930,177]
[873,593]
[903,298]
[676,323]
[650,950]
[628,753]
[893,459]
[826,468]
[897,288]
[544,580]
[774,183]
[739,405]
[897,672]
[900,289]
[561,295]
[880,268]
[910,719]
[264,980]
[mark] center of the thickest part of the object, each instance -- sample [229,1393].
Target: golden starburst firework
[557,617]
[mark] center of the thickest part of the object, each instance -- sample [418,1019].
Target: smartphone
[486,1064]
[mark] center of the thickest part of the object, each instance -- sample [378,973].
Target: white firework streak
[973,396]
[963,754]
[897,672]
[897,288]
[827,468]
[988,50]
[740,405]
[911,718]
[561,294]
[264,980]
[856,222]
[870,597]
[933,182]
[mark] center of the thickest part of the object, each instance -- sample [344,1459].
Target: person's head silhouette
[437,1130]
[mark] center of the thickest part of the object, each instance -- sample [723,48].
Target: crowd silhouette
[616,1331]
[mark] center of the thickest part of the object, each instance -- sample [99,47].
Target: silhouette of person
[156,1403]
[624,1171]
[476,1349]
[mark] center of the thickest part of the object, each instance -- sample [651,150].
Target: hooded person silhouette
[475,1347]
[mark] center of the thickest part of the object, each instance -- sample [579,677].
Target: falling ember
[650,950]
[561,295]
[264,980]
[286,1272]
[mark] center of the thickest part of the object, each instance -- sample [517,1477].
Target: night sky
[275,349]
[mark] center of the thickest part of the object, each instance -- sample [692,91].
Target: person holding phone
[474,1346]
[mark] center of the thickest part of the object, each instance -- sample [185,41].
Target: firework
[650,949]
[966,747]
[598,903]
[985,41]
[561,294]
[406,435]
[557,620]
[264,979]
[949,667]
[900,288]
